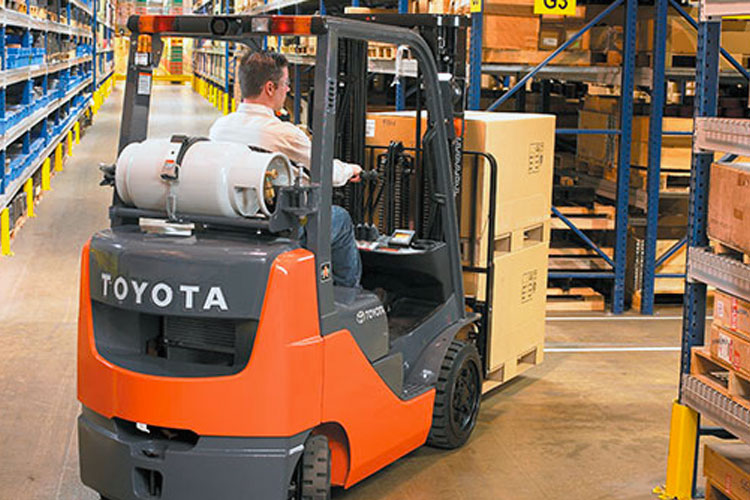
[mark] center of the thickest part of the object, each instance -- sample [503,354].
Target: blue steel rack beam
[627,86]
[651,262]
[706,100]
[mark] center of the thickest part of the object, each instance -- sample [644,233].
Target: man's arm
[296,145]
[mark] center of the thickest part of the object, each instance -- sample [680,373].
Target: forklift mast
[407,200]
[438,52]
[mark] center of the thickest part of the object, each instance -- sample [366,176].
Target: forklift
[216,357]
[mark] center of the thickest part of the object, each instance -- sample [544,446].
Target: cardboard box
[551,37]
[729,205]
[731,313]
[729,348]
[727,467]
[523,145]
[606,38]
[600,149]
[510,32]
[518,319]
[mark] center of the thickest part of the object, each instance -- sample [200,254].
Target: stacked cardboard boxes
[523,145]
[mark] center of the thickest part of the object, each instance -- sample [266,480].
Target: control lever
[366,232]
[108,173]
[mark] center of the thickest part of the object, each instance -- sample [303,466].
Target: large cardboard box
[518,317]
[510,32]
[731,313]
[729,348]
[729,205]
[727,466]
[599,149]
[523,145]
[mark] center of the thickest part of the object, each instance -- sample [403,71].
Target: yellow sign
[557,7]
[475,6]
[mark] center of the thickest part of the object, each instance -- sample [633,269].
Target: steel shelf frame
[74,103]
[704,267]
[626,76]
[656,132]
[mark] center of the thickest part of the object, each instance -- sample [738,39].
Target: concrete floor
[583,425]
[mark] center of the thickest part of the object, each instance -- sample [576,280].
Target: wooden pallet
[599,217]
[721,248]
[381,51]
[713,492]
[670,181]
[574,299]
[720,377]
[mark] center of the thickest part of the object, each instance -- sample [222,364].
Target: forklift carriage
[259,378]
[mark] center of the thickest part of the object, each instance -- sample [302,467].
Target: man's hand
[356,170]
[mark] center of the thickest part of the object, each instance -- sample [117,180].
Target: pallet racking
[698,395]
[48,80]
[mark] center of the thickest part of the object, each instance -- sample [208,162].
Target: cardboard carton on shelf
[729,205]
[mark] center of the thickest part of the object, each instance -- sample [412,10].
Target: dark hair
[257,68]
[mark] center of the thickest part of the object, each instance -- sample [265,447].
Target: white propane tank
[215,178]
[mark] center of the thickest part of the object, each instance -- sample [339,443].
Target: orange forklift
[216,357]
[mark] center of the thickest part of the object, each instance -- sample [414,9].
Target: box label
[536,157]
[475,6]
[370,128]
[555,7]
[724,351]
[528,286]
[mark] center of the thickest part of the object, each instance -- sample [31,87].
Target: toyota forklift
[216,356]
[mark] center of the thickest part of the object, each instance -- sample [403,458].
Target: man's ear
[269,87]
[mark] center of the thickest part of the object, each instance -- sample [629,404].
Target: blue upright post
[475,59]
[706,92]
[623,163]
[298,82]
[658,92]
[403,8]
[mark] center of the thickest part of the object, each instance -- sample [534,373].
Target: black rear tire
[316,469]
[457,397]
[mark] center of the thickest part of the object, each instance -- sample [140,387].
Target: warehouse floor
[590,423]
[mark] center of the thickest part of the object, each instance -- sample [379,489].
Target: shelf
[80,5]
[273,5]
[14,18]
[218,81]
[605,75]
[110,71]
[11,76]
[718,408]
[104,51]
[721,8]
[211,52]
[18,130]
[384,66]
[724,273]
[16,185]
[729,135]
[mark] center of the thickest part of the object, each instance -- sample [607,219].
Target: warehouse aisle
[39,304]
[583,425]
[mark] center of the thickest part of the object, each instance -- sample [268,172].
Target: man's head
[264,78]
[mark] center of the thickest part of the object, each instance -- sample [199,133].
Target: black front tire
[316,469]
[457,397]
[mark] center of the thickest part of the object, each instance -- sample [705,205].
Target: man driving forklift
[264,84]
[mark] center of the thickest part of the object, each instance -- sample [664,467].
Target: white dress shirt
[257,125]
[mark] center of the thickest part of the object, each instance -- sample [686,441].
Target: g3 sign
[559,7]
